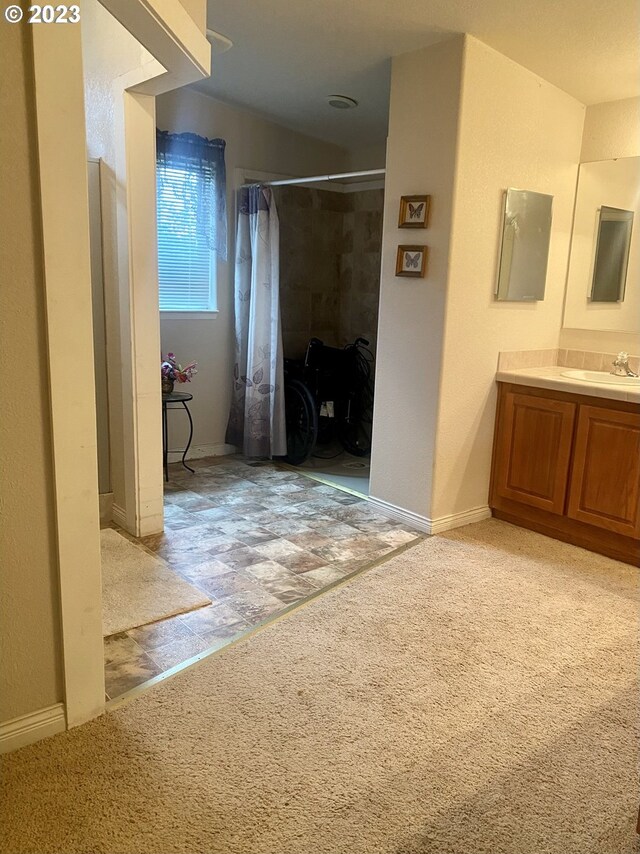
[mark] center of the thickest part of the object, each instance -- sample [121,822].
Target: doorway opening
[256,536]
[330,254]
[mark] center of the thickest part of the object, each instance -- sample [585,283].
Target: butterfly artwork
[411,261]
[414,211]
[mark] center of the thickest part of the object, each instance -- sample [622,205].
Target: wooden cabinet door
[533,450]
[605,484]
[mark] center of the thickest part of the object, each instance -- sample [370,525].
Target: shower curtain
[257,419]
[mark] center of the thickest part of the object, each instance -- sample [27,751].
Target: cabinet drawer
[534,450]
[605,482]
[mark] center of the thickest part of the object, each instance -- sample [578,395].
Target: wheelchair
[328,397]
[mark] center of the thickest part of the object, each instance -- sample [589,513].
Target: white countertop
[552,378]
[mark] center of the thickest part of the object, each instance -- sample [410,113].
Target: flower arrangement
[172,372]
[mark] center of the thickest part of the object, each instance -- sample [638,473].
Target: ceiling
[288,56]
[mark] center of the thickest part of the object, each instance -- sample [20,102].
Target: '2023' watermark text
[46,14]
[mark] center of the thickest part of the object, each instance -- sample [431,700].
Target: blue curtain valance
[203,158]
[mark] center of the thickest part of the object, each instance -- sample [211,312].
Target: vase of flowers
[171,372]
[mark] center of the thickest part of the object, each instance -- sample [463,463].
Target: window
[191,205]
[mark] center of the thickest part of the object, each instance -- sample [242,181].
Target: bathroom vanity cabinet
[568,465]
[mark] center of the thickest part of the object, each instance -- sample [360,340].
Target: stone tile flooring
[255,538]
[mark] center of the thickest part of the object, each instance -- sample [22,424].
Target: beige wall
[421,158]
[252,143]
[611,130]
[109,51]
[198,11]
[30,664]
[516,130]
[465,124]
[369,157]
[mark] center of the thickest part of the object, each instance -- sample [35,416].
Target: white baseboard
[150,524]
[197,452]
[106,507]
[457,520]
[421,523]
[26,729]
[119,516]
[432,526]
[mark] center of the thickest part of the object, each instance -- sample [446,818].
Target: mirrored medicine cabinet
[524,248]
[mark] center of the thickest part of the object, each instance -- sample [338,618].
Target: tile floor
[256,539]
[339,468]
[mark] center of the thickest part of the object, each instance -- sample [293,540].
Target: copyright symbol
[13,14]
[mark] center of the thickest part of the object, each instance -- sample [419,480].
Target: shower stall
[330,253]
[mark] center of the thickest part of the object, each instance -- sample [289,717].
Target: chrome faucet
[621,366]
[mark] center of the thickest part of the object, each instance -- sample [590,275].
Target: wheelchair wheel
[355,436]
[356,423]
[301,420]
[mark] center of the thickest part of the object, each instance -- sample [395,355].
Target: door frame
[182,55]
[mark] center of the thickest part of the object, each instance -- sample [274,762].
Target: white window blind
[186,259]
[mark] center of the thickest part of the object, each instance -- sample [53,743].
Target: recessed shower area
[330,252]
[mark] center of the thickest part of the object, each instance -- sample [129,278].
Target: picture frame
[411,261]
[414,211]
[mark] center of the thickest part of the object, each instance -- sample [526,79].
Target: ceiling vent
[219,43]
[341,102]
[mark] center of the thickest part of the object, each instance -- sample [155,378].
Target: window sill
[188,315]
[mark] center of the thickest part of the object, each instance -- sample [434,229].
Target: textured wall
[421,158]
[516,130]
[108,51]
[30,662]
[611,130]
[465,123]
[329,265]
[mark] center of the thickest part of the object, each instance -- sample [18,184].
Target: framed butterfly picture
[411,261]
[414,211]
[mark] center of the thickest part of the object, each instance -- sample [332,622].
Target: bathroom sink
[601,377]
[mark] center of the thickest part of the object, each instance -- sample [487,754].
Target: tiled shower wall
[329,265]
[360,267]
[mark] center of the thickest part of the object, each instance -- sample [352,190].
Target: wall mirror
[603,282]
[524,249]
[612,255]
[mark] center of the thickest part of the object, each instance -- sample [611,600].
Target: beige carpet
[475,695]
[138,588]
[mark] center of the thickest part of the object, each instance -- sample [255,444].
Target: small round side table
[180,398]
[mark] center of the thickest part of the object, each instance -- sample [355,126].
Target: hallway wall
[49,545]
[421,158]
[30,638]
[109,51]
